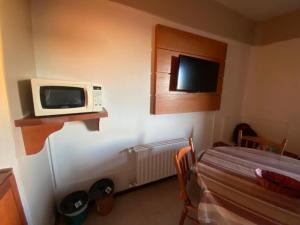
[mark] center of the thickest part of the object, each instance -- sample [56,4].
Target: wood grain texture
[169,44]
[36,130]
[3,188]
[18,203]
[4,174]
[11,210]
[8,210]
[32,120]
[185,102]
[34,137]
[185,159]
[185,42]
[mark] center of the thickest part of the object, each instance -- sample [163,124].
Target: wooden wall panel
[169,44]
[181,41]
[180,103]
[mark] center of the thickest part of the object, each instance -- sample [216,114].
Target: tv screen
[197,75]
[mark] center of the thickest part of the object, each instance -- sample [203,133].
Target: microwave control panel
[97,98]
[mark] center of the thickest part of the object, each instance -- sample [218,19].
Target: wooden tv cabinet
[168,45]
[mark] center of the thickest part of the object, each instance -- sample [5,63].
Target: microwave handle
[86,97]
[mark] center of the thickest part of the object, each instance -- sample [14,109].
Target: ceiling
[261,9]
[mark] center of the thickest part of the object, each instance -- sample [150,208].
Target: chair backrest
[261,143]
[184,160]
[247,131]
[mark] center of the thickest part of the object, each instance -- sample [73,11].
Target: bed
[231,193]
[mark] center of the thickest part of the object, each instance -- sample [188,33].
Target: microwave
[57,97]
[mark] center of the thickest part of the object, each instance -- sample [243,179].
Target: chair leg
[182,218]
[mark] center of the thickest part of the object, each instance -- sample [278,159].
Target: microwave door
[60,97]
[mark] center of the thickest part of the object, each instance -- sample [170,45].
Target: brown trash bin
[105,205]
[102,193]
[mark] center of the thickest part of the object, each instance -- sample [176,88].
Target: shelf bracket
[36,130]
[35,136]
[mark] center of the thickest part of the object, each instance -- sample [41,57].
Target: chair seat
[193,189]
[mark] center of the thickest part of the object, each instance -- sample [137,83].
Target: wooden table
[232,195]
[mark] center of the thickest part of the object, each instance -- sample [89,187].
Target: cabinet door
[9,214]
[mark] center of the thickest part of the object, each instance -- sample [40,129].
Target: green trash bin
[74,207]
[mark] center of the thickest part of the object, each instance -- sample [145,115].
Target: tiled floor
[156,204]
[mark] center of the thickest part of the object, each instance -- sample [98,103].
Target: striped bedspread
[232,195]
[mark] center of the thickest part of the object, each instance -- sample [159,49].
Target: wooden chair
[184,159]
[261,143]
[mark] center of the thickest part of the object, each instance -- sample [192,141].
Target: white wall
[272,97]
[110,43]
[205,15]
[7,147]
[32,172]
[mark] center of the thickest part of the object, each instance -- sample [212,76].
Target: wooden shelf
[36,130]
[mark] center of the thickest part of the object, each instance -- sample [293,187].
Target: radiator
[155,161]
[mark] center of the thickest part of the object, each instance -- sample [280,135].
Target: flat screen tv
[196,75]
